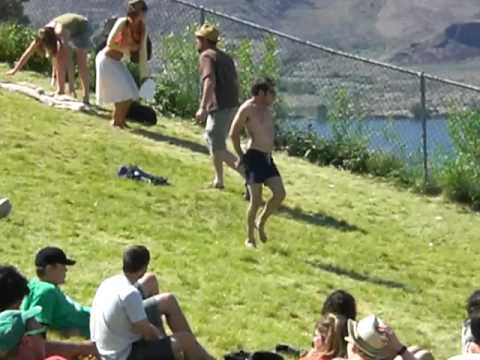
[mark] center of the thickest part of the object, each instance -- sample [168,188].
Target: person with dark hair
[21,336]
[115,84]
[59,312]
[127,310]
[340,302]
[56,41]
[14,287]
[472,308]
[219,99]
[328,338]
[256,116]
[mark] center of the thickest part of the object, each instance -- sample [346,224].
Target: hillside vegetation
[408,258]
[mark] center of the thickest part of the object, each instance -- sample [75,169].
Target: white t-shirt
[117,304]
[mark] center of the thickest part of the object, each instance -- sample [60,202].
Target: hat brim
[70,262]
[31,313]
[361,344]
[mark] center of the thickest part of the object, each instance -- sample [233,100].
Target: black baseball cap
[52,255]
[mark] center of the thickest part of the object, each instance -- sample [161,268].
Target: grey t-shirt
[117,304]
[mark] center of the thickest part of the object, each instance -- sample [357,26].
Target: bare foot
[261,232]
[215,185]
[250,244]
[116,125]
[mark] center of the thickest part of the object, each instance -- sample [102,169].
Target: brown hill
[457,42]
[378,26]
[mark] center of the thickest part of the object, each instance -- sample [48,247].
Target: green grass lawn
[409,258]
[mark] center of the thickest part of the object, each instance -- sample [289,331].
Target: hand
[239,162]
[394,345]
[201,116]
[11,72]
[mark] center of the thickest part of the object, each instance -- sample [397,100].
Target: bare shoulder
[246,106]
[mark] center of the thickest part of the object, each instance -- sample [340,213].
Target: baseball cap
[52,255]
[13,326]
[208,32]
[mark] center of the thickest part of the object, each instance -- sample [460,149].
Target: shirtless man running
[256,116]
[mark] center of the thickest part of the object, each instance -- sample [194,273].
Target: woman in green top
[56,41]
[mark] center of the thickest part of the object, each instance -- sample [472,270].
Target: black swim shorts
[259,166]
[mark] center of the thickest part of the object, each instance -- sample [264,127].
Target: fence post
[423,102]
[202,15]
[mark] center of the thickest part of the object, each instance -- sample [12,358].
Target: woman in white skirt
[115,83]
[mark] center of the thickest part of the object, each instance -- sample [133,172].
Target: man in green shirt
[59,312]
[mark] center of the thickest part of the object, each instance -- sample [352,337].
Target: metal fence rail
[399,111]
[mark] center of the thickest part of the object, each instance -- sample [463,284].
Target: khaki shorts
[218,127]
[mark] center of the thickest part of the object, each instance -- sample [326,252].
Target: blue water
[402,137]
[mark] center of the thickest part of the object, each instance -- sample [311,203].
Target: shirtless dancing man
[255,115]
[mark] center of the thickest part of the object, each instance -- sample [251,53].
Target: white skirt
[114,82]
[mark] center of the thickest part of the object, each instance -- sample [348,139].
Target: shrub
[14,39]
[461,177]
[178,87]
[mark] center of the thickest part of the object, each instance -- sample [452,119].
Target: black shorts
[152,350]
[259,166]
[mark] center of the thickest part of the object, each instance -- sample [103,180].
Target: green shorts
[218,127]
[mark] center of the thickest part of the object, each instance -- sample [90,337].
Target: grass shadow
[186,144]
[337,270]
[320,219]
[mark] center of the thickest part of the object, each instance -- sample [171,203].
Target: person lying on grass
[56,41]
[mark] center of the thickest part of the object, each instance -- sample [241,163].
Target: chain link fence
[399,113]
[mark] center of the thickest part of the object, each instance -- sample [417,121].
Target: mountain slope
[347,24]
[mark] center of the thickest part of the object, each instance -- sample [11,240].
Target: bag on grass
[135,173]
[142,114]
[256,355]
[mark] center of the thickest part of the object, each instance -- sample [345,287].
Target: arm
[117,29]
[207,75]
[146,329]
[48,300]
[24,58]
[133,306]
[395,347]
[238,124]
[142,58]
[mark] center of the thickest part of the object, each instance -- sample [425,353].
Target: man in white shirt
[126,317]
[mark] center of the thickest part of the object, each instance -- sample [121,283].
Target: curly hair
[13,287]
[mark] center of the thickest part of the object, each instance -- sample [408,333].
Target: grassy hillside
[406,257]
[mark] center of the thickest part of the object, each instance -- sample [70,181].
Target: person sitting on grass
[328,339]
[21,336]
[473,309]
[371,339]
[59,312]
[340,302]
[472,348]
[127,310]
